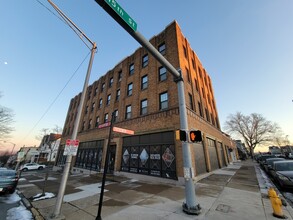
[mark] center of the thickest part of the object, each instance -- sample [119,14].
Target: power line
[47,110]
[61,17]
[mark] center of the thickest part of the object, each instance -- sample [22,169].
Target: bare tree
[43,132]
[280,139]
[254,129]
[6,121]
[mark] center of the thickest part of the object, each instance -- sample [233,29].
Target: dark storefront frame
[151,154]
[89,155]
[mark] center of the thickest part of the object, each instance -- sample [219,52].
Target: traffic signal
[180,135]
[195,136]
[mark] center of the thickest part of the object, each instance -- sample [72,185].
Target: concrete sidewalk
[238,191]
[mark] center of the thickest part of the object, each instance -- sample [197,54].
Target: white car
[32,166]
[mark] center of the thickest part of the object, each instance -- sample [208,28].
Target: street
[12,208]
[218,194]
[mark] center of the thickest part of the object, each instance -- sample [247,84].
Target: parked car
[282,173]
[8,180]
[32,166]
[264,157]
[268,164]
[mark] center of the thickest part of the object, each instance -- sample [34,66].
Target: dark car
[8,181]
[268,164]
[263,158]
[282,173]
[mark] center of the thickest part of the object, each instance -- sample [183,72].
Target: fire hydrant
[276,204]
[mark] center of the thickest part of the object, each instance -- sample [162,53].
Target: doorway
[112,156]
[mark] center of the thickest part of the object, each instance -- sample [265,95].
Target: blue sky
[246,47]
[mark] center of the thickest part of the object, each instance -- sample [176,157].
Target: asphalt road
[8,201]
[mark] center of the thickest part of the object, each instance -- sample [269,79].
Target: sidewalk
[238,191]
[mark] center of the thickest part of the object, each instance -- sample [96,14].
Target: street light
[93,47]
[10,143]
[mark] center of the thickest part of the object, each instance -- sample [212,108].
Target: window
[119,75]
[162,48]
[90,124]
[86,109]
[200,110]
[100,103]
[111,82]
[196,84]
[199,71]
[108,99]
[117,94]
[203,93]
[193,63]
[97,121]
[144,82]
[116,115]
[145,60]
[144,107]
[207,115]
[131,69]
[162,73]
[188,75]
[103,87]
[190,101]
[185,51]
[96,91]
[106,118]
[129,89]
[128,112]
[83,125]
[89,93]
[213,120]
[163,100]
[93,107]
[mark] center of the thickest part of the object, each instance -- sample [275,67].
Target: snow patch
[10,199]
[19,212]
[40,196]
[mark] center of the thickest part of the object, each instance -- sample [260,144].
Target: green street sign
[123,14]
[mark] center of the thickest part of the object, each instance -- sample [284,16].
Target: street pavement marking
[87,190]
[41,180]
[25,185]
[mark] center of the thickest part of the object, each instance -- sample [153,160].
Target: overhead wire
[80,36]
[47,110]
[64,20]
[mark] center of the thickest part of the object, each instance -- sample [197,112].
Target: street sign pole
[190,206]
[99,217]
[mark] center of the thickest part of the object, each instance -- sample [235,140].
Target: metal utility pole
[118,14]
[56,213]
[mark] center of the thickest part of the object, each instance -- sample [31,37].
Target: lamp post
[93,47]
[12,144]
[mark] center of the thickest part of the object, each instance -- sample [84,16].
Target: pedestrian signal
[180,135]
[195,136]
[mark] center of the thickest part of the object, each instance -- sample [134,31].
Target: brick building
[144,98]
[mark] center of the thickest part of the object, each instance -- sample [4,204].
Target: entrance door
[112,156]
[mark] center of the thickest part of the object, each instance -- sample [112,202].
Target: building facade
[49,148]
[143,97]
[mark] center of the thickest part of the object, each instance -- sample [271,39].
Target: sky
[245,46]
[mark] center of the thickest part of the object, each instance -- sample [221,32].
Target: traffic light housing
[195,136]
[181,135]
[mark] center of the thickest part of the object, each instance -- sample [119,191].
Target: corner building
[144,98]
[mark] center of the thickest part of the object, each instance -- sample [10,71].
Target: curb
[36,214]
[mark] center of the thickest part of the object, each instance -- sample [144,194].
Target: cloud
[5,63]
